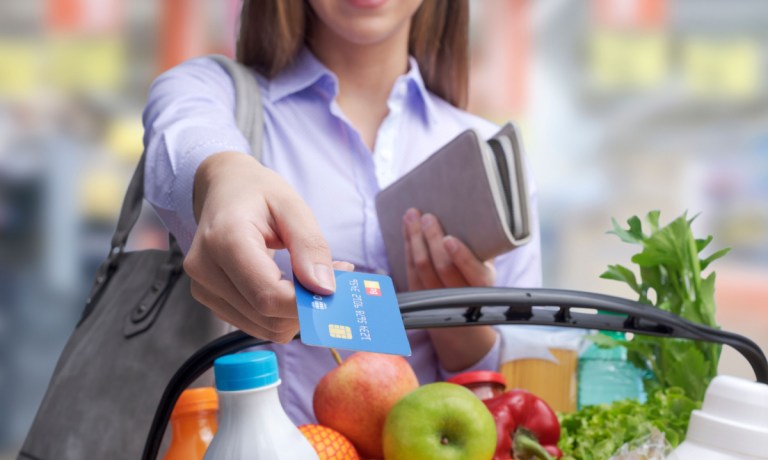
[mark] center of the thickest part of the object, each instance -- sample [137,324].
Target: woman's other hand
[245,211]
[433,261]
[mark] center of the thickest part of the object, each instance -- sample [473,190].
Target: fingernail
[411,216]
[427,221]
[344,266]
[450,245]
[324,277]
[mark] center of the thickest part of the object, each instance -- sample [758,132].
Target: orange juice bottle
[193,424]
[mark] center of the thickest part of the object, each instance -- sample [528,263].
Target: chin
[365,22]
[368,32]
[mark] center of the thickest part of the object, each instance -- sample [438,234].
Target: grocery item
[355,397]
[605,375]
[439,421]
[597,432]
[523,420]
[526,423]
[253,423]
[543,360]
[484,384]
[651,447]
[193,424]
[676,372]
[329,443]
[732,424]
[671,279]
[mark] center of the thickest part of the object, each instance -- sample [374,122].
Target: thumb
[310,254]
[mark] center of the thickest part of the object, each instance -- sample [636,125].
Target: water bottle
[605,375]
[252,422]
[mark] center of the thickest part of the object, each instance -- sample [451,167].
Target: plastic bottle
[193,424]
[732,423]
[252,423]
[605,375]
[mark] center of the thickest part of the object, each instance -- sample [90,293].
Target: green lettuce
[597,432]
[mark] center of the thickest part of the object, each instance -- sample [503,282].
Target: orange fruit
[329,443]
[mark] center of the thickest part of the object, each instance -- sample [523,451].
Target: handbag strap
[249,119]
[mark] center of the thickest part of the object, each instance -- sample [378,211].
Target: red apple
[355,398]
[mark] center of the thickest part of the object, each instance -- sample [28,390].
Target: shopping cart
[487,306]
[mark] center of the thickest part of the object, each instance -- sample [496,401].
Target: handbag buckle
[144,314]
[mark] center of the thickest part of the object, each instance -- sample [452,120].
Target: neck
[367,71]
[366,75]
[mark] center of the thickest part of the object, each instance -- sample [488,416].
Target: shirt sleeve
[189,116]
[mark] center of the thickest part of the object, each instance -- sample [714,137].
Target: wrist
[216,167]
[460,348]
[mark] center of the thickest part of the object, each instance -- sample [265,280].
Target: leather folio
[477,190]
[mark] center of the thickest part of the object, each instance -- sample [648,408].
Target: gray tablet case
[476,188]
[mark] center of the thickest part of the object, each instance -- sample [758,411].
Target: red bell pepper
[526,427]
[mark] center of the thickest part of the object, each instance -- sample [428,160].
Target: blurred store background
[626,106]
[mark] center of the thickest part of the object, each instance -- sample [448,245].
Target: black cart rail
[487,306]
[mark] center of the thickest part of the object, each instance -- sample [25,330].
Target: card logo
[338,331]
[372,288]
[318,304]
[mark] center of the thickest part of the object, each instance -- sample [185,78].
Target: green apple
[439,421]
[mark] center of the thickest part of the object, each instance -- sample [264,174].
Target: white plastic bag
[651,447]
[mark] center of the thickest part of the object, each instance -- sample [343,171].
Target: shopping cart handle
[563,308]
[487,306]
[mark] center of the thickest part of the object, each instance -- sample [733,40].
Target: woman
[355,93]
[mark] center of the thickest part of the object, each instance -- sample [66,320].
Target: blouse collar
[306,71]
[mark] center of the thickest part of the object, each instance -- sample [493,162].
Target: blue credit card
[362,315]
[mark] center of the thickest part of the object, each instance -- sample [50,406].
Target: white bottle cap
[733,420]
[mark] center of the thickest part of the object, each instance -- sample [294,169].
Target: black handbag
[140,323]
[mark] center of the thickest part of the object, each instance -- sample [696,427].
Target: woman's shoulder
[453,118]
[208,71]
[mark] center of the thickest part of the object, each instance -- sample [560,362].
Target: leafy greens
[678,371]
[671,279]
[597,432]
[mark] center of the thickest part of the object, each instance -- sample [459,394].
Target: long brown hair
[272,33]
